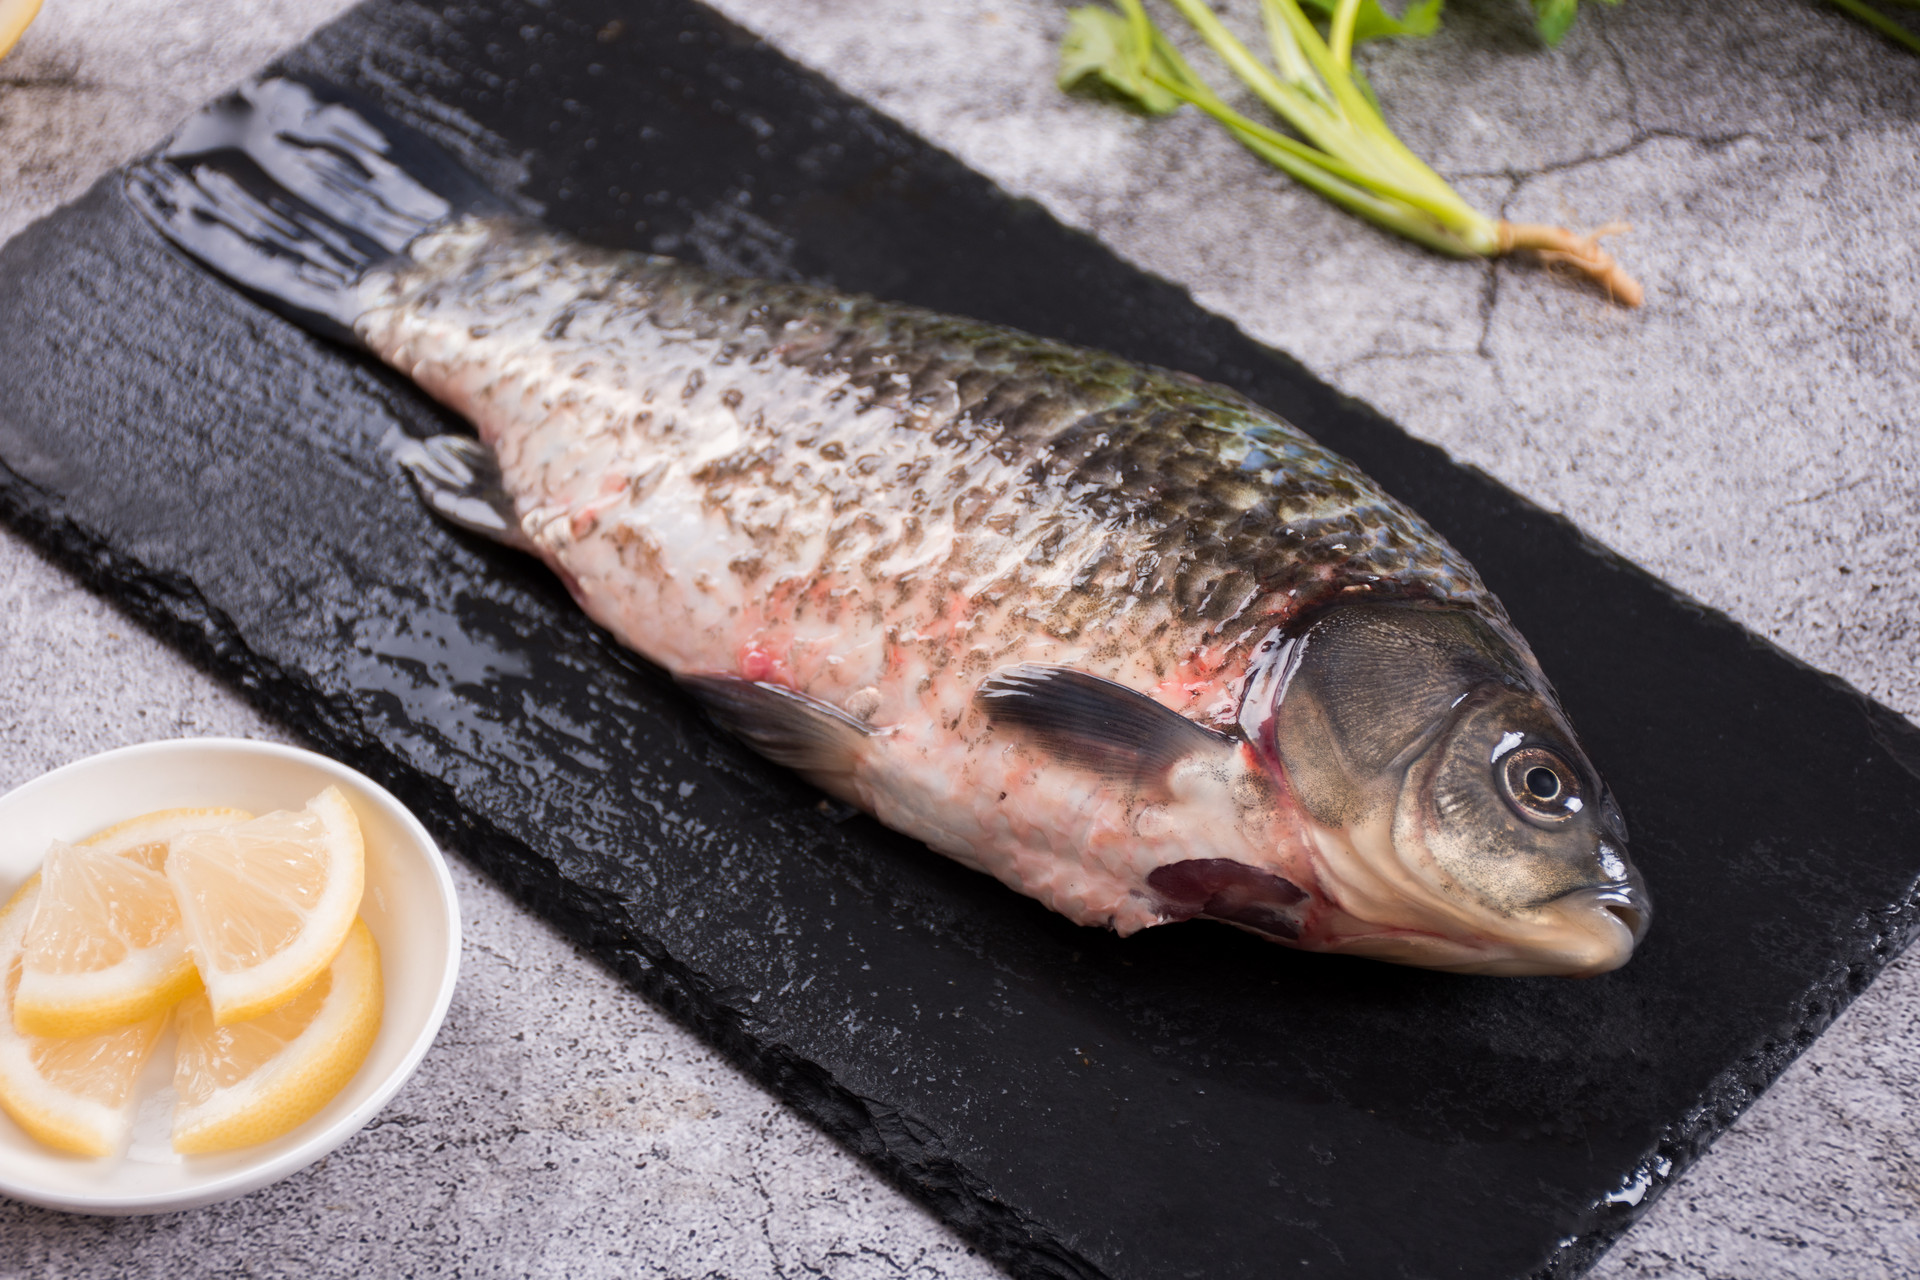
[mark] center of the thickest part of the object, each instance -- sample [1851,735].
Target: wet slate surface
[1189,1102]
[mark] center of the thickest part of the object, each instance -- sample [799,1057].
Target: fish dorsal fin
[459,480]
[1093,723]
[784,725]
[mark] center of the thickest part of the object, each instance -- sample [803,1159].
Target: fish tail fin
[291,191]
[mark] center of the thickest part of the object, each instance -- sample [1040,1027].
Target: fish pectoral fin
[1093,723]
[459,480]
[782,724]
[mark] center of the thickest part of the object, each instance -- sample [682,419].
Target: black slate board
[1189,1102]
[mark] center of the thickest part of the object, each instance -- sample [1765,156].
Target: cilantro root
[1582,255]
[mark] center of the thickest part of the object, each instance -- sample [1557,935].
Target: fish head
[1454,820]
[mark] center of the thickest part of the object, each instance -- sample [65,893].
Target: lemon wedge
[267,904]
[72,1094]
[104,948]
[14,17]
[246,1082]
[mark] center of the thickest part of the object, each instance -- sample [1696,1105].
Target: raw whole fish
[1125,640]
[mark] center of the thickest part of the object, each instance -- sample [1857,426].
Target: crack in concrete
[1846,486]
[1554,165]
[1640,138]
[1518,178]
[1490,295]
[59,81]
[1604,30]
[513,966]
[1409,353]
[766,1220]
[50,73]
[899,1268]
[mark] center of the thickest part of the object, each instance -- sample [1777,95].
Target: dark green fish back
[1099,485]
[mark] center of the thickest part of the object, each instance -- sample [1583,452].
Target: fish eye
[1539,784]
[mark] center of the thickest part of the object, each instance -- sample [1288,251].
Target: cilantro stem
[1340,145]
[1880,22]
[1340,37]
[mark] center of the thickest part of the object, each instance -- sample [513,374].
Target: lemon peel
[146,839]
[267,904]
[73,1094]
[14,17]
[104,948]
[247,1082]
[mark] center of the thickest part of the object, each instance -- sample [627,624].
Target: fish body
[880,507]
[1124,640]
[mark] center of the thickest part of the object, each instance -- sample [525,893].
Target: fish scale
[1062,489]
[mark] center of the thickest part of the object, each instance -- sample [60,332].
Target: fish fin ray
[459,480]
[293,190]
[1093,723]
[784,725]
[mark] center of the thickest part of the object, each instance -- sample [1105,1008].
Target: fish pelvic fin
[291,191]
[1231,892]
[459,480]
[784,725]
[1093,723]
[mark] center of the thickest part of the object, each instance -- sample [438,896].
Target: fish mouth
[1628,903]
[1385,909]
[1581,934]
[1596,930]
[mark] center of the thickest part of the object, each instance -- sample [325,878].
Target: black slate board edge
[1875,941]
[908,1154]
[175,610]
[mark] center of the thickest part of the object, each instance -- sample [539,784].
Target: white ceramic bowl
[409,906]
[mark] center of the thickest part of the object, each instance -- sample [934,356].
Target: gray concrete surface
[1750,436]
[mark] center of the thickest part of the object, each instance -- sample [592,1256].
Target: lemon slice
[73,1094]
[145,839]
[104,948]
[246,1082]
[267,903]
[14,17]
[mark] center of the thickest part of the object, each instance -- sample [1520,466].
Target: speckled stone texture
[1749,436]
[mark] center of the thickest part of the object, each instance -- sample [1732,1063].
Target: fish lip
[1626,900]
